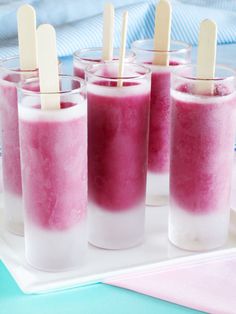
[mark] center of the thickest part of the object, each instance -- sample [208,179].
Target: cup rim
[176,73]
[3,68]
[77,57]
[38,93]
[88,72]
[187,47]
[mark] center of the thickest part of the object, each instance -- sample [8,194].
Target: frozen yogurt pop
[163,56]
[53,142]
[202,142]
[118,122]
[12,72]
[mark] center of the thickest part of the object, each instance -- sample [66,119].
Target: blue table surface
[94,299]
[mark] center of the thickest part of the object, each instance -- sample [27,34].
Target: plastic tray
[101,264]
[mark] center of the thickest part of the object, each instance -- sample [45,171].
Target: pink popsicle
[202,153]
[54,171]
[117,137]
[159,135]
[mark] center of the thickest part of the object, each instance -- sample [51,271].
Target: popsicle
[12,71]
[118,120]
[202,141]
[85,57]
[53,138]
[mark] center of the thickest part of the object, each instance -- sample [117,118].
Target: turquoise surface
[94,299]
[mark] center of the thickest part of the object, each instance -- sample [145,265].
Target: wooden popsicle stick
[48,67]
[162,32]
[26,23]
[108,32]
[206,58]
[122,48]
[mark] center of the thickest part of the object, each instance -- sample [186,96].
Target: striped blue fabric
[79,23]
[228,5]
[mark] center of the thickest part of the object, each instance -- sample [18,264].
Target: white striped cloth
[85,32]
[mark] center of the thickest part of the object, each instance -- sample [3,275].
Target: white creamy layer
[116,230]
[13,208]
[157,189]
[164,69]
[124,91]
[27,110]
[197,231]
[203,100]
[53,250]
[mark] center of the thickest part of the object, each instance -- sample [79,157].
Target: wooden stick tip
[25,8]
[164,3]
[46,28]
[209,24]
[109,5]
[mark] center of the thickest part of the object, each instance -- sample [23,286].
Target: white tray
[102,264]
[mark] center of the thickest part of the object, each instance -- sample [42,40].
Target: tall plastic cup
[159,136]
[202,147]
[53,146]
[118,124]
[10,77]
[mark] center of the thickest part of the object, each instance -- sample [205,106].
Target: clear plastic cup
[118,123]
[82,58]
[202,147]
[10,77]
[159,136]
[53,146]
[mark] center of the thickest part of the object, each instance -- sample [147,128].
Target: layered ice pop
[118,120]
[54,178]
[10,77]
[159,135]
[202,141]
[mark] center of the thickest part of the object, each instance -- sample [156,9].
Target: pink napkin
[206,282]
